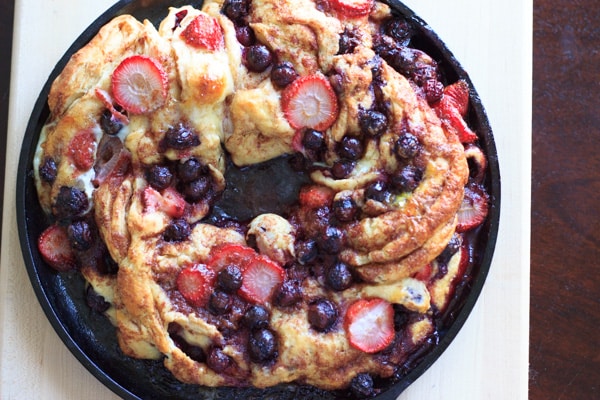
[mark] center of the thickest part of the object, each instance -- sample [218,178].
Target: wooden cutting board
[489,357]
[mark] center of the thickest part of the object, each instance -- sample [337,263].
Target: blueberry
[339,276]
[407,146]
[283,74]
[178,230]
[230,278]
[350,148]
[331,240]
[289,293]
[258,58]
[109,124]
[262,345]
[345,209]
[322,314]
[362,385]
[180,138]
[219,302]
[257,317]
[190,170]
[372,123]
[80,235]
[159,177]
[70,202]
[306,251]
[48,170]
[217,360]
[407,179]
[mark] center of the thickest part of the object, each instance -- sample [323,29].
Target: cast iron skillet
[90,336]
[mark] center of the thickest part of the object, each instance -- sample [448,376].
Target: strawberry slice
[452,108]
[315,196]
[230,254]
[170,201]
[82,149]
[473,209]
[424,274]
[55,249]
[352,8]
[204,32]
[196,283]
[369,324]
[260,279]
[139,84]
[310,102]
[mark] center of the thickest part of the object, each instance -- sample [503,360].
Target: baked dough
[238,116]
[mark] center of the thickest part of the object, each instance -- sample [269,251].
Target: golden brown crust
[215,96]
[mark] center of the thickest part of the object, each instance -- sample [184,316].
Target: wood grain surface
[565,219]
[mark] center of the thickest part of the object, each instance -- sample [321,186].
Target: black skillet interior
[90,336]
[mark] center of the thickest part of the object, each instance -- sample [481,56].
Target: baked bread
[328,269]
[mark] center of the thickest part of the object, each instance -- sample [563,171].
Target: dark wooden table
[565,220]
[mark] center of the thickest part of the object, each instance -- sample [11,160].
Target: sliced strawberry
[474,208]
[170,201]
[310,102]
[139,84]
[260,279]
[424,274]
[369,324]
[230,254]
[452,108]
[204,32]
[196,283]
[55,249]
[315,196]
[352,8]
[457,96]
[173,203]
[82,149]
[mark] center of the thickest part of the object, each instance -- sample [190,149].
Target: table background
[488,359]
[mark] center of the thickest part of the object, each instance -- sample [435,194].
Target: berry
[262,345]
[345,209]
[322,314]
[313,140]
[170,202]
[139,84]
[220,302]
[180,138]
[230,279]
[261,278]
[349,39]
[95,301]
[372,123]
[48,170]
[352,8]
[306,251]
[235,10]
[407,179]
[362,385]
[434,90]
[289,293]
[80,235]
[407,146]
[159,177]
[315,196]
[217,360]
[350,148]
[331,240]
[55,248]
[256,317]
[258,58]
[369,324]
[339,276]
[399,30]
[177,231]
[283,74]
[223,256]
[110,124]
[452,108]
[70,202]
[310,102]
[195,283]
[245,35]
[204,32]
[342,169]
[377,191]
[197,190]
[191,170]
[82,149]
[473,209]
